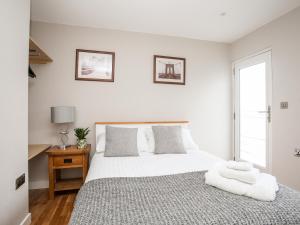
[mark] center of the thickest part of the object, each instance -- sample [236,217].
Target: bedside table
[69,158]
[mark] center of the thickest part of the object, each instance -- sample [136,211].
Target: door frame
[247,61]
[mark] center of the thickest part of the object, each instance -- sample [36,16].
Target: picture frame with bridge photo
[168,70]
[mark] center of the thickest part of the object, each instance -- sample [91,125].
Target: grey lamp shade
[63,114]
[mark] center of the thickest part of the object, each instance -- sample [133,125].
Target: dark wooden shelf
[68,184]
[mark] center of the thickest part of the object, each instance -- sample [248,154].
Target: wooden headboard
[147,122]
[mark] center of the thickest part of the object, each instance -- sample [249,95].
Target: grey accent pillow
[120,142]
[168,140]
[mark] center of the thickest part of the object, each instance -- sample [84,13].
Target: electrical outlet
[284,105]
[20,181]
[297,152]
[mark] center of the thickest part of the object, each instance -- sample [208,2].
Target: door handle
[268,112]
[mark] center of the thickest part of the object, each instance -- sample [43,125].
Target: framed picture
[169,70]
[94,65]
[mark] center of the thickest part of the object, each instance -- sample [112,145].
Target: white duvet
[148,164]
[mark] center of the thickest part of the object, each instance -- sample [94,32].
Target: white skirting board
[41,184]
[26,220]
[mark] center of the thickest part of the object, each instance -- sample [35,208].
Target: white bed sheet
[148,164]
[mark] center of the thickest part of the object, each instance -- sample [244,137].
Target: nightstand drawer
[67,161]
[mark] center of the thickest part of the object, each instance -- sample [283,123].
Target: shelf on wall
[36,54]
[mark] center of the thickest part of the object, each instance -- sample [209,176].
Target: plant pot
[81,144]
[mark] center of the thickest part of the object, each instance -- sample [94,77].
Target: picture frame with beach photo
[94,65]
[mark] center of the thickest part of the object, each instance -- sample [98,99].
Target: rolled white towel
[264,189]
[244,166]
[249,177]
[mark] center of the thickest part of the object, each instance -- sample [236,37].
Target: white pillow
[187,139]
[150,139]
[142,142]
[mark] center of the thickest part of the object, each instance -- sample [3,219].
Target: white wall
[283,36]
[205,100]
[14,23]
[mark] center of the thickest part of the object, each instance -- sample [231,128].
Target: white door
[253,86]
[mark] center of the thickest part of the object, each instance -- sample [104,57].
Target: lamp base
[64,139]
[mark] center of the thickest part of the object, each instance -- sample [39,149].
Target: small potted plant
[81,134]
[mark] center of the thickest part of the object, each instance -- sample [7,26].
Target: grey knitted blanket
[178,199]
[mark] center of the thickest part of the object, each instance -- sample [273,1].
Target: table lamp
[63,115]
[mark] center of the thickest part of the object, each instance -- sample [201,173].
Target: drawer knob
[67,160]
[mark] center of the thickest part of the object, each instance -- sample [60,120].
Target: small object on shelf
[81,134]
[68,159]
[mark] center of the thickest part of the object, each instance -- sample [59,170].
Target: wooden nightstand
[58,160]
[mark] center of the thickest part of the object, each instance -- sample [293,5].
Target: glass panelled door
[253,110]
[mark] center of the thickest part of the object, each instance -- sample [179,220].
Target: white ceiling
[198,19]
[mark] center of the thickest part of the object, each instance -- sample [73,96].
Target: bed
[170,189]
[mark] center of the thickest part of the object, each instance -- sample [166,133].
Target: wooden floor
[50,212]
